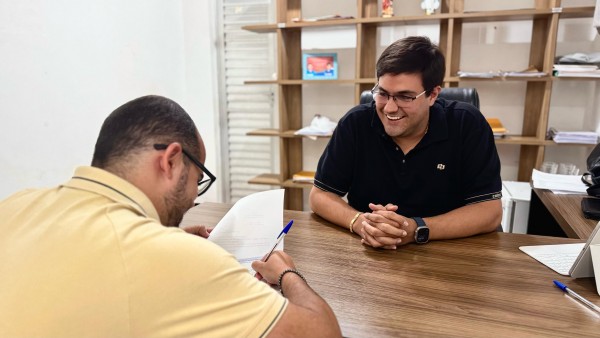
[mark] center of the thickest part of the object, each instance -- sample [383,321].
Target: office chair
[468,95]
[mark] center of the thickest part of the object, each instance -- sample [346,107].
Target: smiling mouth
[394,118]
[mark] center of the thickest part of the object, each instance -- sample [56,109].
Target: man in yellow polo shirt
[101,254]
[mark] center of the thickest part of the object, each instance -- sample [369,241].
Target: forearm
[333,208]
[466,221]
[306,305]
[297,291]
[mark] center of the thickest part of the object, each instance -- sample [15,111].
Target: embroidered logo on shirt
[441,166]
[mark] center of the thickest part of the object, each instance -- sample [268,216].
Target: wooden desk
[566,211]
[479,286]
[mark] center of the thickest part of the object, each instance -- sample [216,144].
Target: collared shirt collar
[102,182]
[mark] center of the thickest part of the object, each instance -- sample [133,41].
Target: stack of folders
[582,137]
[497,127]
[575,71]
[304,177]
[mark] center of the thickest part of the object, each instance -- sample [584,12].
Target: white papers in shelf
[525,74]
[557,182]
[585,137]
[480,75]
[250,228]
[323,18]
[529,72]
[319,126]
[575,71]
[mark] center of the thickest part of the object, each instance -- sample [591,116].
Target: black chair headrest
[468,95]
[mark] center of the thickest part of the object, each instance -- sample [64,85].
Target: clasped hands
[384,228]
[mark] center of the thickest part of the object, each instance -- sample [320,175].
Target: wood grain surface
[566,210]
[482,286]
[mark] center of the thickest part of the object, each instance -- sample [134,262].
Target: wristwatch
[422,231]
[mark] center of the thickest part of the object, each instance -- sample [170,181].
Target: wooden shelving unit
[545,18]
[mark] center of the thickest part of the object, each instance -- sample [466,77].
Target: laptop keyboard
[559,258]
[560,263]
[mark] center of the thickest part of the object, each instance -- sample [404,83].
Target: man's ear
[434,95]
[171,161]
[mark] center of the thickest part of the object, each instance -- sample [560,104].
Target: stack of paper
[584,137]
[323,18]
[558,183]
[480,75]
[576,71]
[250,227]
[529,72]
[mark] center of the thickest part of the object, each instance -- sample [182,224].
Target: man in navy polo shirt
[414,167]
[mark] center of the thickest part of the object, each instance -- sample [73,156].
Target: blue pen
[576,296]
[279,238]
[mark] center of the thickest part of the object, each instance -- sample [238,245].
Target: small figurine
[429,6]
[387,8]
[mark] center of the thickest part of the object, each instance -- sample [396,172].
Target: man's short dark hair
[414,55]
[138,125]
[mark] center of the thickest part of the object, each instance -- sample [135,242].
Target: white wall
[65,65]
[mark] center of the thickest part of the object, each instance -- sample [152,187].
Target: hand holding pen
[279,239]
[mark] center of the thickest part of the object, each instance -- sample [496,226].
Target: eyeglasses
[203,185]
[400,100]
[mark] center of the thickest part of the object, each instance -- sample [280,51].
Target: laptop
[573,260]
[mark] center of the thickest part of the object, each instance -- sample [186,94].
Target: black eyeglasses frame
[211,178]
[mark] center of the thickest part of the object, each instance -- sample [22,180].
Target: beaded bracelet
[286,271]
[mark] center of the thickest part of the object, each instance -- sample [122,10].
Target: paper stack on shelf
[575,71]
[304,177]
[583,137]
[529,72]
[480,75]
[323,18]
[497,127]
[558,183]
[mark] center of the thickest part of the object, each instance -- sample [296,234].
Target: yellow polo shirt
[90,258]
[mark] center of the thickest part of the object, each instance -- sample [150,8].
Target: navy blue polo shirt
[455,164]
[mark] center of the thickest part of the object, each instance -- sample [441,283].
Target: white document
[250,228]
[542,180]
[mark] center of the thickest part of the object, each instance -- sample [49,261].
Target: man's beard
[176,202]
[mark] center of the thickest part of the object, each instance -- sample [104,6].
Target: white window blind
[245,56]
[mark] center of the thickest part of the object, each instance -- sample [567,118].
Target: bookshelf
[544,15]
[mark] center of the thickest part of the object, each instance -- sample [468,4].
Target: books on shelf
[575,71]
[497,127]
[583,137]
[304,177]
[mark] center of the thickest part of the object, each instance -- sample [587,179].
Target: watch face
[422,235]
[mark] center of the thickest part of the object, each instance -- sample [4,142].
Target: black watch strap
[422,231]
